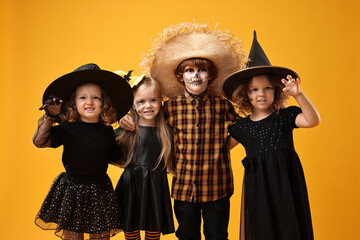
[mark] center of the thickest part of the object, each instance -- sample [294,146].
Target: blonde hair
[241,99]
[127,139]
[108,112]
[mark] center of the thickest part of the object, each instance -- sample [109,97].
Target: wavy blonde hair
[241,99]
[108,113]
[127,139]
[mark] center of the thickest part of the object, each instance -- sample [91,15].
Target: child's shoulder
[290,110]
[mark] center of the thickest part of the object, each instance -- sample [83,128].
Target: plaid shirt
[203,168]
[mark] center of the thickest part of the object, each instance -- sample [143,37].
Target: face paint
[196,79]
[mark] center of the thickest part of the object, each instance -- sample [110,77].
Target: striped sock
[152,235]
[135,235]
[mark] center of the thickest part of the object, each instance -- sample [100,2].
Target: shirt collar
[203,96]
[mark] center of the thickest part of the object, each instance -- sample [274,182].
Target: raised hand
[292,87]
[52,106]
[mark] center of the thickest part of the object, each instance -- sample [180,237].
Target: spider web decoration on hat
[187,40]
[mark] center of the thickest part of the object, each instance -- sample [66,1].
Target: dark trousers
[215,216]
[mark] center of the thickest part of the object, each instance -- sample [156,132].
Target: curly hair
[108,113]
[199,63]
[241,99]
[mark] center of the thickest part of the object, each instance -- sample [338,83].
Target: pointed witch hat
[257,64]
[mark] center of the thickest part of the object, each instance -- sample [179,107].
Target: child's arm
[41,137]
[231,142]
[309,116]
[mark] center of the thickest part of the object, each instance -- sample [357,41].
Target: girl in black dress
[81,202]
[147,155]
[275,204]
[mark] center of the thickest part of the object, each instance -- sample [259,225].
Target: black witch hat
[116,87]
[257,64]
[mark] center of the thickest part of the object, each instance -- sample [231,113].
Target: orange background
[42,40]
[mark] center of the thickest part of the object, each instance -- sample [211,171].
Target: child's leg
[216,218]
[102,236]
[70,235]
[188,215]
[135,235]
[152,235]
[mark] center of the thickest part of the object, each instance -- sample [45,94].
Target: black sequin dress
[144,191]
[275,201]
[82,199]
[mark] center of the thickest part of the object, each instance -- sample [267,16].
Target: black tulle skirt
[74,207]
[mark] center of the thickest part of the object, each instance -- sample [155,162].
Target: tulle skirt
[73,207]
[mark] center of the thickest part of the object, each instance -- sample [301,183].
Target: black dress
[82,200]
[275,201]
[144,191]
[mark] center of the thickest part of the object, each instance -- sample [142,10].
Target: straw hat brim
[115,86]
[234,80]
[191,40]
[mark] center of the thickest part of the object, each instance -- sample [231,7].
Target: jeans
[215,216]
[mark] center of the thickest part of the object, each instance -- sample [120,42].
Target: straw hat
[257,64]
[115,86]
[191,40]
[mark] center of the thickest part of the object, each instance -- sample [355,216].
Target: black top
[270,133]
[88,148]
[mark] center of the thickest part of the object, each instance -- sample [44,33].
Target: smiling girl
[143,187]
[82,202]
[275,203]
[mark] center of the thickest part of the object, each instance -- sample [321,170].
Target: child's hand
[292,87]
[52,106]
[127,123]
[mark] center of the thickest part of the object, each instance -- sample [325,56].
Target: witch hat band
[257,64]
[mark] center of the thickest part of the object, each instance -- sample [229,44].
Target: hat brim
[234,80]
[115,86]
[195,45]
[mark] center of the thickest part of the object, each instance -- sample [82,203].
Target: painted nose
[196,74]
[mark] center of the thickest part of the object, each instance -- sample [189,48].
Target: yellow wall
[42,40]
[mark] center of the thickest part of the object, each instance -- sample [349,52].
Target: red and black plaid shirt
[203,168]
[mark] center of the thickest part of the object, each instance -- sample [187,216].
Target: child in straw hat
[191,61]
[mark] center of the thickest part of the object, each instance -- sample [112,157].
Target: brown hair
[241,99]
[199,63]
[107,115]
[127,139]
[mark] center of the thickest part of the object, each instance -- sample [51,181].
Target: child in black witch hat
[275,204]
[82,199]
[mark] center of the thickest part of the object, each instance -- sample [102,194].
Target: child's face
[196,79]
[88,102]
[261,93]
[147,104]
